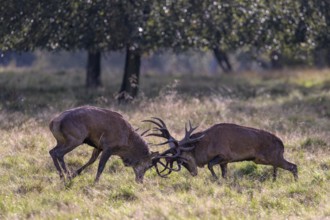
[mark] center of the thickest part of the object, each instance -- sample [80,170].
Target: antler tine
[154,134]
[178,152]
[166,142]
[153,122]
[187,139]
[160,120]
[160,172]
[174,151]
[161,126]
[143,133]
[159,129]
[168,166]
[164,165]
[190,126]
[190,131]
[171,166]
[166,152]
[174,154]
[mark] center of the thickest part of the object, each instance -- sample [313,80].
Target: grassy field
[294,105]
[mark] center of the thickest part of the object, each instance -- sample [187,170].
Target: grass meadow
[293,104]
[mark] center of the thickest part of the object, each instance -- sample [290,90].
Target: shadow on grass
[252,171]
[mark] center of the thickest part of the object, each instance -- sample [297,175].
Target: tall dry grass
[295,105]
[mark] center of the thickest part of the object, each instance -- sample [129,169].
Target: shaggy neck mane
[140,147]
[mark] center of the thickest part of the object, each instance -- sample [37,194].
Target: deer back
[100,128]
[234,143]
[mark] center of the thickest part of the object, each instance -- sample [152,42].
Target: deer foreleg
[95,154]
[103,160]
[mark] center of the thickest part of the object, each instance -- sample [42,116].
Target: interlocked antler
[169,158]
[174,153]
[169,155]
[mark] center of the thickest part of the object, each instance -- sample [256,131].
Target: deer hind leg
[53,154]
[290,167]
[95,154]
[103,160]
[58,152]
[58,159]
[274,173]
[224,170]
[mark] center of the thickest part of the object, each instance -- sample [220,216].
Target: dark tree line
[284,28]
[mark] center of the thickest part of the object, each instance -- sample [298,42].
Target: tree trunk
[130,85]
[327,57]
[327,20]
[276,60]
[222,59]
[93,79]
[321,57]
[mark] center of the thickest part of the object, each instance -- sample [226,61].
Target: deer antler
[161,127]
[187,140]
[174,153]
[143,133]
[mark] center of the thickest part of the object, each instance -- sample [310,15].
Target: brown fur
[107,131]
[225,143]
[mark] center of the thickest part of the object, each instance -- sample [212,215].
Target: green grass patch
[293,105]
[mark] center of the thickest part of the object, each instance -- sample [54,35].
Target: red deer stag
[221,144]
[107,131]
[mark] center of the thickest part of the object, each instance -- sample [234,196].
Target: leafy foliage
[285,26]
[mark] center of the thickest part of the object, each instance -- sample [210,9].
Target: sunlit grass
[293,105]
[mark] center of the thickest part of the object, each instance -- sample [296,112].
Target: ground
[293,104]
